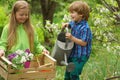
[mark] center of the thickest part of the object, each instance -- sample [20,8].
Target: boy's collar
[80,22]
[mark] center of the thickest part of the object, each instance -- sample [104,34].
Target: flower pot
[27,64]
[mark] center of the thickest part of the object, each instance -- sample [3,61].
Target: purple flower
[21,57]
[11,56]
[28,51]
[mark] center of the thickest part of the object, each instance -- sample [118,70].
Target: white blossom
[23,59]
[19,52]
[30,56]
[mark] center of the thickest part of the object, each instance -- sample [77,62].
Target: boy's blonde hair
[12,37]
[81,8]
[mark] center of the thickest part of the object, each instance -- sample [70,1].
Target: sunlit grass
[100,66]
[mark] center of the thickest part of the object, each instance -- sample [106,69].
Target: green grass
[100,66]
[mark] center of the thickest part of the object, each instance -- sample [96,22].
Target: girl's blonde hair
[81,8]
[12,37]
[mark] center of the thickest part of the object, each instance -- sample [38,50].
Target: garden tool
[62,50]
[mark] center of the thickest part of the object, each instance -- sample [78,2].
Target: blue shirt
[81,31]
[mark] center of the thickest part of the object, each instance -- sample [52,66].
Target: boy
[81,36]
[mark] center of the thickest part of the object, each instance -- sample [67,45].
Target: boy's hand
[68,35]
[65,25]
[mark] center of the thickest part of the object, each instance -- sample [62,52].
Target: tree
[113,9]
[48,9]
[44,7]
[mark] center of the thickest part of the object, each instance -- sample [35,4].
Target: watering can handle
[66,39]
[65,28]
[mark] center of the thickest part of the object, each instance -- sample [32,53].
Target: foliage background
[104,61]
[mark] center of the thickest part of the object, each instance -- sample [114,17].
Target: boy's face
[75,16]
[21,15]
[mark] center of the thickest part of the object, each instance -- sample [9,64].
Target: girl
[19,33]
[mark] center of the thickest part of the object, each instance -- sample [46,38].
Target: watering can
[62,50]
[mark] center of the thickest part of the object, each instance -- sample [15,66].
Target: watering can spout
[64,63]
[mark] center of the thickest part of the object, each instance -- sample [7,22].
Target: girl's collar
[20,25]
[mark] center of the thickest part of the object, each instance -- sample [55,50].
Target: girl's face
[21,15]
[75,16]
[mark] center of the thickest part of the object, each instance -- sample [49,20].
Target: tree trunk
[118,2]
[48,9]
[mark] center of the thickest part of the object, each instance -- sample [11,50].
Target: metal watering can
[62,50]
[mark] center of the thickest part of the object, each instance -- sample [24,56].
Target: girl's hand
[46,51]
[2,53]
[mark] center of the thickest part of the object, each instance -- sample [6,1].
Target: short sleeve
[85,34]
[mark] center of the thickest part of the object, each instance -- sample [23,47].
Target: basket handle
[51,58]
[7,61]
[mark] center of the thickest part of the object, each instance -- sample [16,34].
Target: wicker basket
[42,67]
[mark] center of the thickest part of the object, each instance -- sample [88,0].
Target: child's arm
[38,47]
[3,41]
[76,40]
